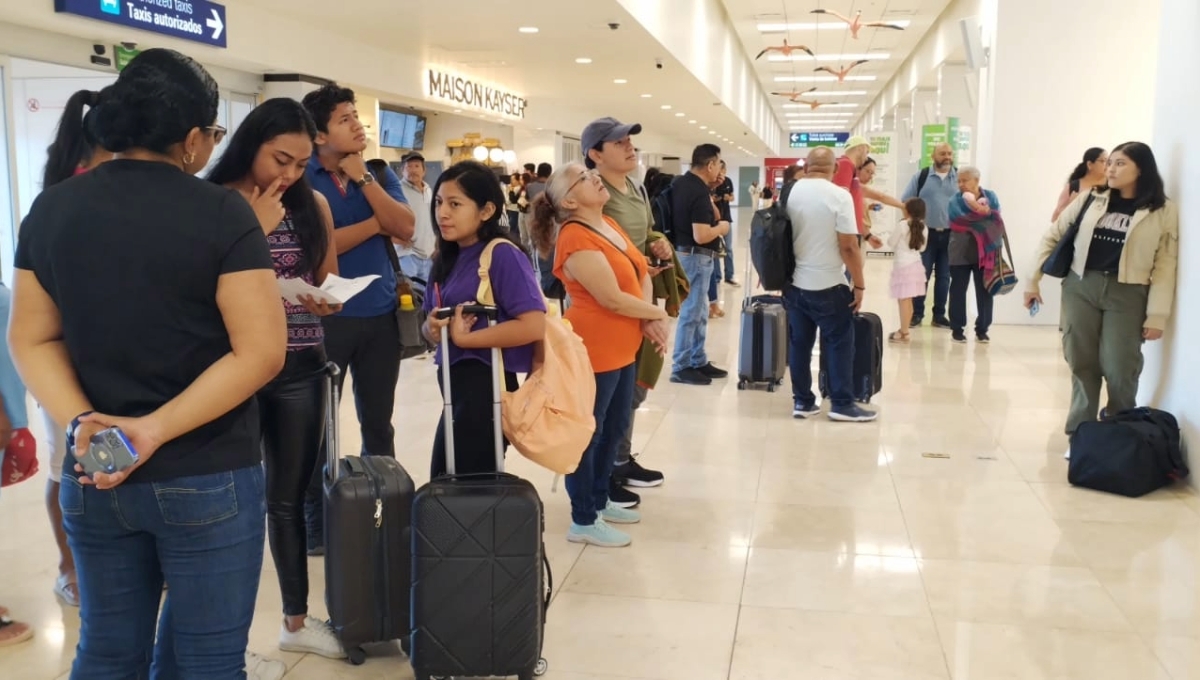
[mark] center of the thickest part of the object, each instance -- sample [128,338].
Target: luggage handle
[333,452]
[492,313]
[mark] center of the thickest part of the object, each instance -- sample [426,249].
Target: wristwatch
[366,179]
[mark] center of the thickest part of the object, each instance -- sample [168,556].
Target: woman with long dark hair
[1086,176]
[265,163]
[468,204]
[1121,286]
[73,152]
[162,319]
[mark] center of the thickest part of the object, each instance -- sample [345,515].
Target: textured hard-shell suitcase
[479,593]
[368,539]
[868,359]
[763,342]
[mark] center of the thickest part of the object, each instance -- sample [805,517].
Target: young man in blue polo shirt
[363,338]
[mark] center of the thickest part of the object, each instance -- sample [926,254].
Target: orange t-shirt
[612,340]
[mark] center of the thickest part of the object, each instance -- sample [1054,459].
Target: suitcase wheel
[771,386]
[356,656]
[540,669]
[741,384]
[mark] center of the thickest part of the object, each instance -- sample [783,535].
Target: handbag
[1130,453]
[1058,265]
[1003,279]
[19,459]
[410,312]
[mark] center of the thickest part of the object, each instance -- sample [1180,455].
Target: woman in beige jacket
[1121,286]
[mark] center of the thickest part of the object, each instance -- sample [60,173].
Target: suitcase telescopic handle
[491,313]
[333,451]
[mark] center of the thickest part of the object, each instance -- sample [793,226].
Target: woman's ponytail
[72,146]
[543,224]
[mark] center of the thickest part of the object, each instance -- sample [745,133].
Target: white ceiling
[481,37]
[747,15]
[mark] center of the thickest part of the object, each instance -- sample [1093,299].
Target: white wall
[1172,373]
[535,146]
[1036,119]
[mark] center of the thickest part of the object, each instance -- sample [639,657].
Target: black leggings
[292,411]
[474,439]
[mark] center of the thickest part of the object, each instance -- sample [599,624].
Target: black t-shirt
[691,203]
[1108,240]
[723,205]
[131,253]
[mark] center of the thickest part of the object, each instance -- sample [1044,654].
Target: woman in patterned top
[265,161]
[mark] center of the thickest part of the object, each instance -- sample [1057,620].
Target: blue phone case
[109,451]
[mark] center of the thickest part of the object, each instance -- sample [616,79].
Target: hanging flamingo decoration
[857,24]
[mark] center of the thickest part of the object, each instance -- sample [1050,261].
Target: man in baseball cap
[854,155]
[608,148]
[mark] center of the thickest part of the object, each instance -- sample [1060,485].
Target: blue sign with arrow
[196,20]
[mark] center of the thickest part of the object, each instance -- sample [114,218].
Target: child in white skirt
[908,271]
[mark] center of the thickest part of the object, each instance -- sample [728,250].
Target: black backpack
[664,213]
[1130,453]
[771,244]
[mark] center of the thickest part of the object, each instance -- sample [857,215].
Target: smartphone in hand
[109,451]
[1034,308]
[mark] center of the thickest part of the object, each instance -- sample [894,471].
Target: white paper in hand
[335,290]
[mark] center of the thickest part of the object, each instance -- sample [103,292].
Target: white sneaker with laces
[316,637]
[259,667]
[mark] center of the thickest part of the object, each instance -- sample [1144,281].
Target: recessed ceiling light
[647,96]
[620,81]
[703,127]
[528,29]
[665,107]
[691,122]
[583,60]
[679,115]
[458,110]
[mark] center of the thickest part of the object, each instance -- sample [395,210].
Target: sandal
[899,337]
[66,589]
[12,632]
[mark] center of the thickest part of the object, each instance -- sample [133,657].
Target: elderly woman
[976,236]
[1121,286]
[612,308]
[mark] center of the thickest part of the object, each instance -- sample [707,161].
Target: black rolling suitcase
[868,359]
[368,538]
[479,593]
[763,342]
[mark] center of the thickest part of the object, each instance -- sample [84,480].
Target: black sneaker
[633,474]
[942,323]
[690,376]
[982,338]
[916,322]
[710,371]
[620,496]
[959,337]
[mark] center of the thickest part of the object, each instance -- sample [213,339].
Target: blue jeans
[204,536]
[692,329]
[588,485]
[937,262]
[727,261]
[827,311]
[415,266]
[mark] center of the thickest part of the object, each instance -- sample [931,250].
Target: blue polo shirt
[349,207]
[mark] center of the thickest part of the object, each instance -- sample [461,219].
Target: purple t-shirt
[513,286]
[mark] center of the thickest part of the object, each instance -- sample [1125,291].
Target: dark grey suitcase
[479,592]
[368,538]
[763,342]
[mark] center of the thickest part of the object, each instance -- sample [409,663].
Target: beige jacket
[1150,256]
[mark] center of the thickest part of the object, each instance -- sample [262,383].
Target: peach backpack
[549,418]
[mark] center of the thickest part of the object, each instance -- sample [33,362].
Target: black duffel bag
[1130,453]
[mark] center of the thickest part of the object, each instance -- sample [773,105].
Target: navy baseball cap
[606,130]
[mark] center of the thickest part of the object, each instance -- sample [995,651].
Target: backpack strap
[921,179]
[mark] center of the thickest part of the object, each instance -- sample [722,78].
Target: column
[1041,108]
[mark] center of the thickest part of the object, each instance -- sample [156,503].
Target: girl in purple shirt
[467,207]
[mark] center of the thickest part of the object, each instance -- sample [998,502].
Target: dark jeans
[370,348]
[292,411]
[588,485]
[471,407]
[204,536]
[828,312]
[937,266]
[625,448]
[960,277]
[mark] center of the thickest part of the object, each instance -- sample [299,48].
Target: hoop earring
[189,158]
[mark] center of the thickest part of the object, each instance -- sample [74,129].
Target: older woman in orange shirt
[612,309]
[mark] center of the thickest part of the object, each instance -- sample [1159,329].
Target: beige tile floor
[809,549]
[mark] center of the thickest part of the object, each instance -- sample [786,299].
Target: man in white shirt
[414,255]
[825,238]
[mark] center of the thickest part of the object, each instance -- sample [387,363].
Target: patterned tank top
[304,328]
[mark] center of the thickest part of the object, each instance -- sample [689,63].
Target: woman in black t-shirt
[1121,286]
[145,299]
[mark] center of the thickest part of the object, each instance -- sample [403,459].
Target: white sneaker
[316,637]
[1067,455]
[261,668]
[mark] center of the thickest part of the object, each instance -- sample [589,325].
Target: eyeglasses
[584,176]
[218,132]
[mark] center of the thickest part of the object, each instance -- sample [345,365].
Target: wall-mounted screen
[399,130]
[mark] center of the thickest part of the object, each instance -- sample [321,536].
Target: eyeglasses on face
[218,132]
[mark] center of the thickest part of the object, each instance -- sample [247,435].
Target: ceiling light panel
[872,56]
[824,79]
[815,26]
